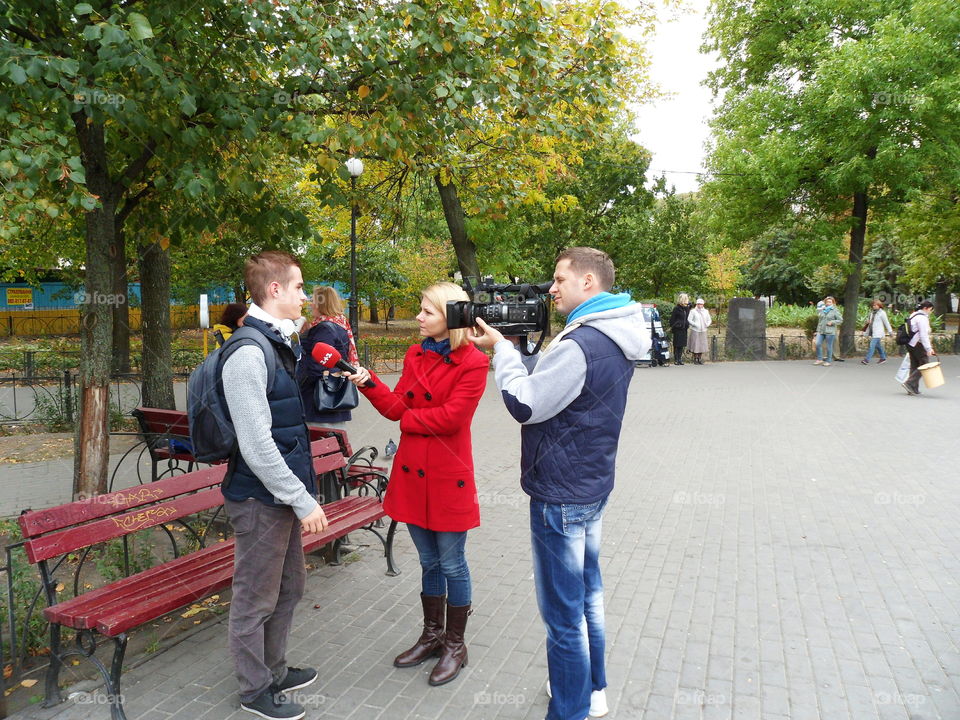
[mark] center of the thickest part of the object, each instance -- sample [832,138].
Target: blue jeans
[566,569]
[443,563]
[825,355]
[875,344]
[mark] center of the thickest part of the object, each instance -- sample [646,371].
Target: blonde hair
[326,301]
[683,299]
[438,295]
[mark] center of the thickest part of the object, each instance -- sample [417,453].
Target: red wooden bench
[112,610]
[360,467]
[166,434]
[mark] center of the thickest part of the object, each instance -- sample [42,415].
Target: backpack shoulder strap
[248,336]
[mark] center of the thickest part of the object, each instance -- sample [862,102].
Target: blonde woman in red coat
[432,488]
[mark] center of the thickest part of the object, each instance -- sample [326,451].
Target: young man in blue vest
[269,491]
[571,407]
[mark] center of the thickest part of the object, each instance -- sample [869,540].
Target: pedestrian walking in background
[678,326]
[877,328]
[920,345]
[829,321]
[699,320]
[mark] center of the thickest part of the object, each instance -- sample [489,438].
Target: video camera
[513,309]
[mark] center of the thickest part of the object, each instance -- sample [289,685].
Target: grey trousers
[268,582]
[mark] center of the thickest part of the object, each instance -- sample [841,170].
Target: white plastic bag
[904,369]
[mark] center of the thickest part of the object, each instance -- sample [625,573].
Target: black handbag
[335,394]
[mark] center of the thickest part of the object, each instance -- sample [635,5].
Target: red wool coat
[432,484]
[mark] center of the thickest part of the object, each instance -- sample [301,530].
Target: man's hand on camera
[315,522]
[484,336]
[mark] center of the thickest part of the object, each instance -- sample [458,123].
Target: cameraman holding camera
[571,407]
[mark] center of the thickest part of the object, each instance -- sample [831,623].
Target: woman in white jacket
[699,320]
[877,328]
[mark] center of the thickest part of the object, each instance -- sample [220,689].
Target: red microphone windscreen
[325,355]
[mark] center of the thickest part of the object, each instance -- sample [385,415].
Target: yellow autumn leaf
[363,91]
[164,243]
[59,587]
[447,46]
[29,683]
[510,62]
[194,609]
[407,20]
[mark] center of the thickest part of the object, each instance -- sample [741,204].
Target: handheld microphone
[329,357]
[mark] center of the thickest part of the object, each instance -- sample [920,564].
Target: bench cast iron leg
[113,683]
[388,550]
[53,696]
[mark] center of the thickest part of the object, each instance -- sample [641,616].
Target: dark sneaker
[881,361]
[297,678]
[864,362]
[273,705]
[910,390]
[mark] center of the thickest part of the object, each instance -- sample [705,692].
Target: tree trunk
[851,293]
[155,314]
[941,298]
[457,224]
[239,294]
[121,306]
[92,444]
[374,310]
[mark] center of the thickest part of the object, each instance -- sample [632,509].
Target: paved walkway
[782,543]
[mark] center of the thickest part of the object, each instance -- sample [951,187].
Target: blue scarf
[441,348]
[599,303]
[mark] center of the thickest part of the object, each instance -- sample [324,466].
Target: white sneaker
[598,702]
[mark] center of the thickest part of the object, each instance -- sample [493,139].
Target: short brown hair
[878,302]
[585,260]
[267,267]
[326,301]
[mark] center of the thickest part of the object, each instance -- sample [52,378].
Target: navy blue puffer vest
[287,425]
[570,458]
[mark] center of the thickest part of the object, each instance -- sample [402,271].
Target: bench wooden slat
[165,422]
[38,522]
[83,610]
[115,526]
[363,513]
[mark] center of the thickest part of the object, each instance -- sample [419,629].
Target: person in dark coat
[309,372]
[679,323]
[432,487]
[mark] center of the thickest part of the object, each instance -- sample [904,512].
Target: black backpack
[904,332]
[211,429]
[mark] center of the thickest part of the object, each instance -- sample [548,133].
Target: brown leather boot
[431,639]
[454,656]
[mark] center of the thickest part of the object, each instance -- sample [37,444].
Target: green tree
[828,109]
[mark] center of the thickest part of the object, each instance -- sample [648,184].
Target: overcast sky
[674,128]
